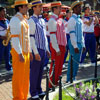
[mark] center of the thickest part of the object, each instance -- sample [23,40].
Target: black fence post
[47,82]
[60,88]
[53,77]
[95,73]
[71,70]
[98,92]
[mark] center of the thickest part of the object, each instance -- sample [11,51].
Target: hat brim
[30,5]
[13,6]
[55,6]
[79,3]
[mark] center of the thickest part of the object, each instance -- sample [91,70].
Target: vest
[60,34]
[39,33]
[24,35]
[78,29]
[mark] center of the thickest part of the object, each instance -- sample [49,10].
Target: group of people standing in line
[30,45]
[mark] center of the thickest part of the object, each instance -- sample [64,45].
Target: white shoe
[35,97]
[81,65]
[43,93]
[64,66]
[93,64]
[45,68]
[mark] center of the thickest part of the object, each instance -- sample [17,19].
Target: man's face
[78,9]
[3,12]
[58,10]
[39,9]
[24,9]
[69,14]
[88,10]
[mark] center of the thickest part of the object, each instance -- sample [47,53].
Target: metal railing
[61,85]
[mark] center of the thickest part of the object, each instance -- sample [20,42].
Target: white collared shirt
[71,27]
[15,28]
[87,28]
[32,28]
[52,27]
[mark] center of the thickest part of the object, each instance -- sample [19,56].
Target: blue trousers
[67,48]
[5,53]
[76,57]
[46,57]
[90,44]
[36,71]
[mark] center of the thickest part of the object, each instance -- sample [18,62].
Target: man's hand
[76,50]
[37,57]
[58,53]
[21,58]
[31,56]
[48,54]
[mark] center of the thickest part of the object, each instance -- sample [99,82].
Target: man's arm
[52,27]
[32,28]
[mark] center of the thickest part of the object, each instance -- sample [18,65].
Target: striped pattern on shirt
[60,34]
[39,34]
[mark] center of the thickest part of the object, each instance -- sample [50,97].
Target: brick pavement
[6,79]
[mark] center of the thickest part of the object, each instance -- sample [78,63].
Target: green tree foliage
[10,1]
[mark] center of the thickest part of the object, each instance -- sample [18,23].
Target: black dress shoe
[41,96]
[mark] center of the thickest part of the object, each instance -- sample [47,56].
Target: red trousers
[59,60]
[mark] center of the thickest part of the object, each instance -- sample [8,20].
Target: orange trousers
[20,79]
[59,60]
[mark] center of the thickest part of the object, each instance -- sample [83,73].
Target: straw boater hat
[54,4]
[74,4]
[20,2]
[35,3]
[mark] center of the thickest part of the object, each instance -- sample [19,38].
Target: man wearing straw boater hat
[20,51]
[39,47]
[76,41]
[57,41]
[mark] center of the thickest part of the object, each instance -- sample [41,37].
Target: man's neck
[36,14]
[55,13]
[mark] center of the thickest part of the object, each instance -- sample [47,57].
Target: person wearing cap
[57,41]
[4,50]
[90,41]
[46,19]
[21,53]
[68,15]
[39,47]
[76,41]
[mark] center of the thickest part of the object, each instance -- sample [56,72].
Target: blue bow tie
[78,16]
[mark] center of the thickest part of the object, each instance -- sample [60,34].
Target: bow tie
[78,16]
[25,16]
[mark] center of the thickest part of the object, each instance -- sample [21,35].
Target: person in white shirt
[21,53]
[68,15]
[76,41]
[39,48]
[88,28]
[57,41]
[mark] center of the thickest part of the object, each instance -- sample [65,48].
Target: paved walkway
[6,79]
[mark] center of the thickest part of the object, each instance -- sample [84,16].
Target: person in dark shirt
[4,50]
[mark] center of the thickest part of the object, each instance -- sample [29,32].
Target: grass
[64,96]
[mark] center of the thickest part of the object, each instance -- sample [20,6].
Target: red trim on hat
[55,4]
